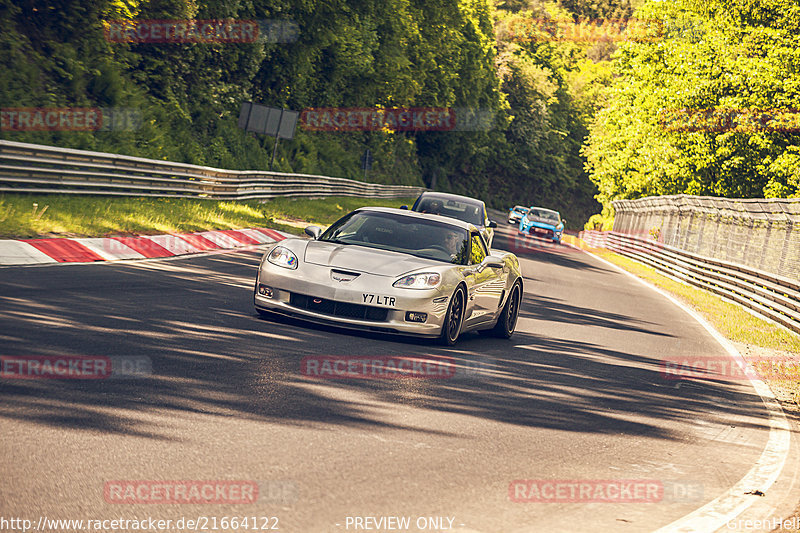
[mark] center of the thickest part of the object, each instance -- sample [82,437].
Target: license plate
[377,299]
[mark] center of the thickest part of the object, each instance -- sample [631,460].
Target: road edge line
[718,512]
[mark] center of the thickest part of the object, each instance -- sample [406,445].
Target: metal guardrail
[34,168]
[770,295]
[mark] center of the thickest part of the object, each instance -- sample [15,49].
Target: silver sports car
[393,271]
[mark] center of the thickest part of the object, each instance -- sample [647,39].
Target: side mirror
[492,261]
[404,207]
[492,224]
[314,232]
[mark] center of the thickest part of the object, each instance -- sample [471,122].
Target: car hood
[364,259]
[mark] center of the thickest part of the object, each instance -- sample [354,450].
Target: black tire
[507,321]
[454,318]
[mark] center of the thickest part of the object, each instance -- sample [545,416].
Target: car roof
[450,196]
[426,216]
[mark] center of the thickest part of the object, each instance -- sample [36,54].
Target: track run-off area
[571,425]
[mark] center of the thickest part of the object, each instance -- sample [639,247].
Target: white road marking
[717,513]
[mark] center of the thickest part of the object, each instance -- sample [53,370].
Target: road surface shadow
[211,353]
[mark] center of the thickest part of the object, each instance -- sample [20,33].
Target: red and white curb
[38,251]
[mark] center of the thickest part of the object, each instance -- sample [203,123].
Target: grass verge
[30,216]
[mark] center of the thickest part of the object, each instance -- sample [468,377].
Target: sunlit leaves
[703,110]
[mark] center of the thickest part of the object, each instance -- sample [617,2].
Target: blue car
[541,222]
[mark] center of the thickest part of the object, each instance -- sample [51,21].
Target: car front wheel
[454,318]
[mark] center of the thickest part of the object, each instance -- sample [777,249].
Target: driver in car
[433,208]
[454,243]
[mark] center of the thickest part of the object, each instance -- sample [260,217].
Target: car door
[487,283]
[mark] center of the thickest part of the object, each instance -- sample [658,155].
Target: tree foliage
[707,108]
[358,53]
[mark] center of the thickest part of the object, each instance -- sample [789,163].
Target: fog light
[263,290]
[411,316]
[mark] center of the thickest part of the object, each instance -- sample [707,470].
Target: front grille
[534,230]
[334,308]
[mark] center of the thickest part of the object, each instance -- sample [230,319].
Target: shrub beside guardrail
[34,168]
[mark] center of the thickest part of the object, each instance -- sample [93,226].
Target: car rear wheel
[507,321]
[454,318]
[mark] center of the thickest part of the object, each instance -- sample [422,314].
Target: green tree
[653,136]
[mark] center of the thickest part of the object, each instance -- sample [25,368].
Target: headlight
[425,280]
[282,257]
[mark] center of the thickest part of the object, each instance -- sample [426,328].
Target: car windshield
[471,212]
[412,235]
[545,214]
[520,209]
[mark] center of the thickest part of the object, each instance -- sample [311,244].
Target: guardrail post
[786,246]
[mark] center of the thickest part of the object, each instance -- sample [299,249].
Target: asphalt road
[577,394]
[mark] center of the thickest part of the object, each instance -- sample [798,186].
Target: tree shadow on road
[212,354]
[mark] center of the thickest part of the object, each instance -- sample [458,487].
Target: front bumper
[538,229]
[294,293]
